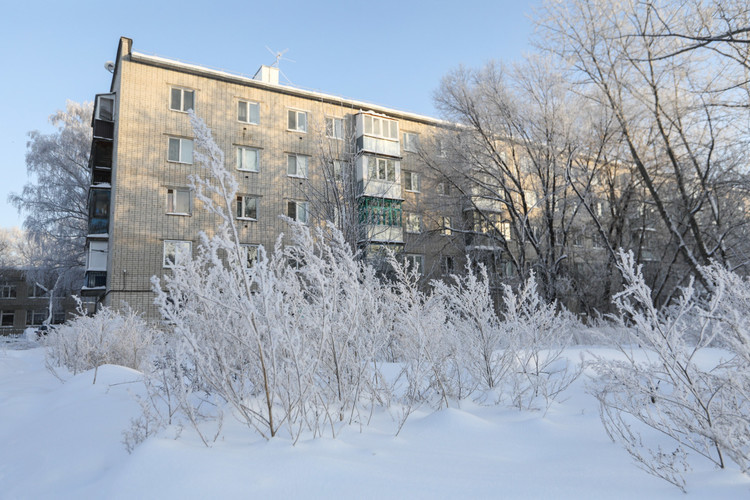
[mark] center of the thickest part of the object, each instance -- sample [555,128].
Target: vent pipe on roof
[267,74]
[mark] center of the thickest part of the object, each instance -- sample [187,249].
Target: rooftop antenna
[279,55]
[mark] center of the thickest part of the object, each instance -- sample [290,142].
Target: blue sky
[391,53]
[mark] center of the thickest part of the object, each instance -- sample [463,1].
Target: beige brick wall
[139,223]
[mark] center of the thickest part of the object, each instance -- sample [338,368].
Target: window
[442,151]
[381,127]
[247,207]
[383,169]
[415,261]
[338,170]
[296,166]
[411,142]
[488,223]
[596,240]
[177,253]
[96,279]
[443,188]
[297,210]
[181,99]
[37,291]
[178,201]
[36,316]
[7,291]
[446,227]
[249,255]
[8,318]
[248,112]
[180,150]
[411,181]
[105,109]
[447,264]
[577,239]
[335,128]
[248,159]
[413,223]
[504,229]
[297,120]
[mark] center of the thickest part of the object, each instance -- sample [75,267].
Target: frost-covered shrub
[423,347]
[703,408]
[289,342]
[517,356]
[478,339]
[537,334]
[108,337]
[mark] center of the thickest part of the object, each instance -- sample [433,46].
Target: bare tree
[519,134]
[671,107]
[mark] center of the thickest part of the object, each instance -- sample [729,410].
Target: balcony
[377,134]
[381,220]
[99,210]
[379,177]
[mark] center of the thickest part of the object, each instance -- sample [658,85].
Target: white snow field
[64,440]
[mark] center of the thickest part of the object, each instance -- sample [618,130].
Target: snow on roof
[215,73]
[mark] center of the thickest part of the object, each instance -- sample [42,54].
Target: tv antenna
[279,55]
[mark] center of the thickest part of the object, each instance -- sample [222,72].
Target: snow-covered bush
[290,341]
[478,339]
[517,356]
[295,342]
[702,406]
[537,334]
[108,337]
[427,355]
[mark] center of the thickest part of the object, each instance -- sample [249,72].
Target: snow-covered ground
[64,440]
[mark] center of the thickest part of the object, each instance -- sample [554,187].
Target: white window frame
[249,255]
[187,247]
[413,223]
[413,178]
[443,189]
[445,228]
[415,261]
[5,313]
[410,141]
[242,203]
[181,153]
[240,157]
[298,127]
[99,99]
[172,200]
[296,215]
[182,106]
[8,291]
[36,317]
[301,165]
[338,169]
[449,264]
[37,288]
[373,126]
[375,172]
[248,114]
[505,230]
[332,131]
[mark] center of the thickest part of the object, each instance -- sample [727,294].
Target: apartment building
[25,304]
[306,155]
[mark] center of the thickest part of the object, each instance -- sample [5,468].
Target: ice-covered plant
[661,383]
